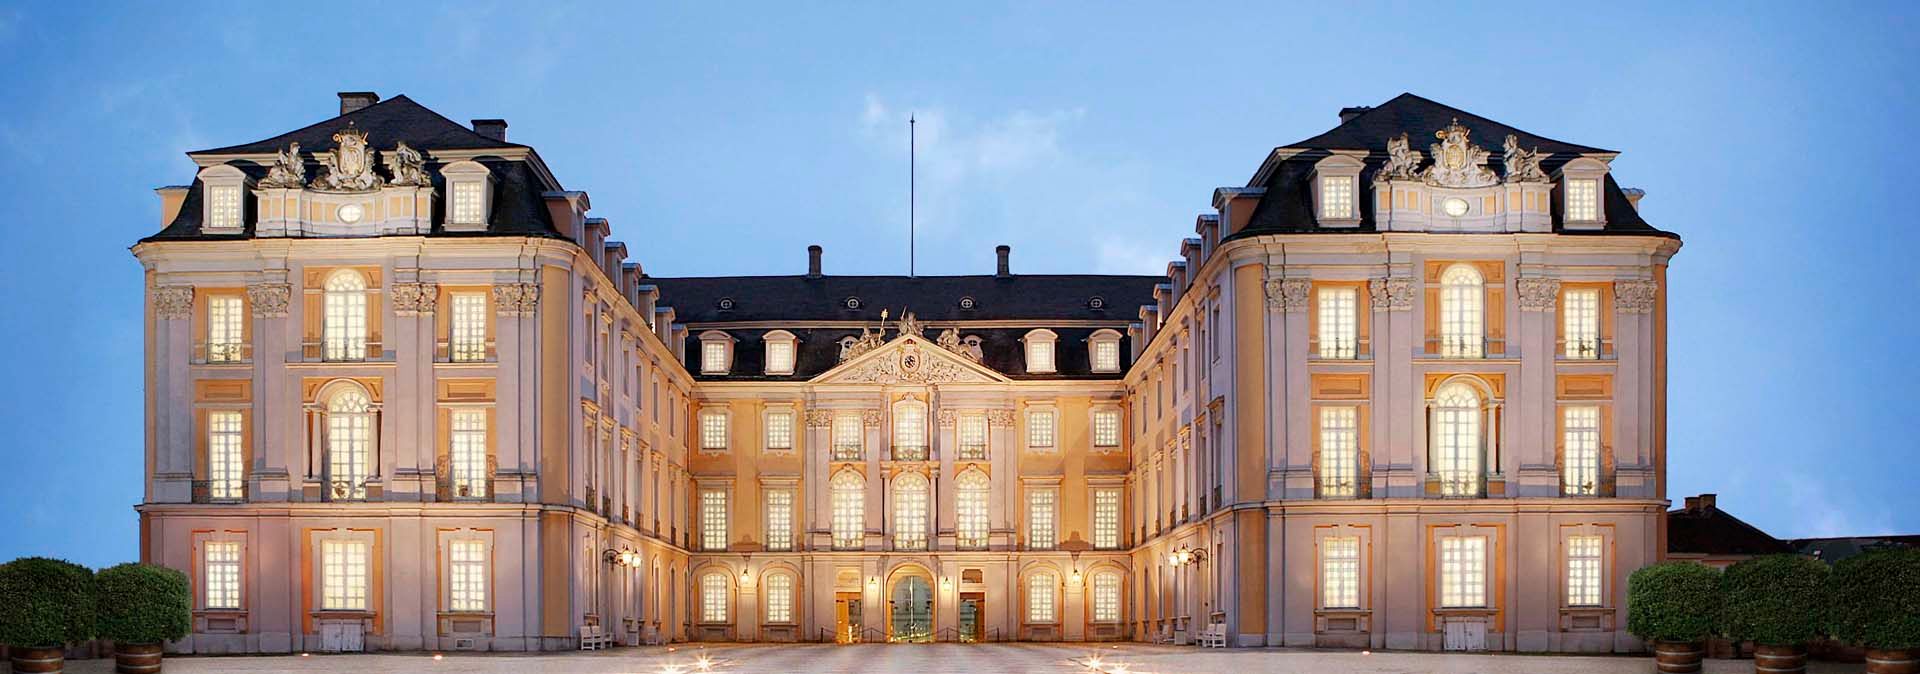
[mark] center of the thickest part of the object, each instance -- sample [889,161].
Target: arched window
[1456,439]
[910,431]
[910,512]
[1461,324]
[713,597]
[344,316]
[970,508]
[779,598]
[1106,597]
[349,442]
[849,510]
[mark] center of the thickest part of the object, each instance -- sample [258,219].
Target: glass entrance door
[847,615]
[972,608]
[911,611]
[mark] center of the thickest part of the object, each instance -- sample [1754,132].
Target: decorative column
[1397,470]
[1531,454]
[415,470]
[517,351]
[275,443]
[173,392]
[1287,307]
[1633,393]
[1004,485]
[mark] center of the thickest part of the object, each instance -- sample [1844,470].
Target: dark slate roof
[1035,297]
[1287,205]
[1836,549]
[1709,530]
[819,351]
[394,119]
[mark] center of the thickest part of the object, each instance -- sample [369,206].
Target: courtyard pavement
[939,659]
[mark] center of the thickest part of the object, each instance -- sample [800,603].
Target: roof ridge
[351,116]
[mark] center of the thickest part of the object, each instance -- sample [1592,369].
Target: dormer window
[1582,196]
[469,196]
[1336,197]
[224,194]
[1336,191]
[780,350]
[1103,348]
[1040,351]
[716,352]
[1583,200]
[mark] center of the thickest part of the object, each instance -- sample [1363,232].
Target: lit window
[222,575]
[1582,450]
[1040,519]
[343,579]
[1580,318]
[1340,572]
[713,598]
[1040,598]
[779,519]
[1106,519]
[468,454]
[909,432]
[713,520]
[1583,571]
[713,431]
[1460,322]
[224,210]
[1463,572]
[779,598]
[1583,200]
[1339,330]
[1339,451]
[970,509]
[467,202]
[973,437]
[1456,436]
[713,356]
[1214,334]
[1106,428]
[1040,428]
[225,328]
[349,443]
[847,444]
[1040,352]
[1106,597]
[780,430]
[467,575]
[224,443]
[780,357]
[910,512]
[469,339]
[345,316]
[1336,198]
[1106,352]
[849,510]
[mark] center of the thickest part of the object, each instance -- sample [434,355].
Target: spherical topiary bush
[1775,600]
[143,604]
[1673,601]
[45,603]
[1876,600]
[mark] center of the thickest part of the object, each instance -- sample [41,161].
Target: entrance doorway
[846,613]
[973,611]
[910,611]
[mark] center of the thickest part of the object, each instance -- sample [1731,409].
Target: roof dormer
[223,196]
[1583,193]
[1336,191]
[469,196]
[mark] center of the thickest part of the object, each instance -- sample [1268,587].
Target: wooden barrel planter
[38,660]
[1892,662]
[1779,659]
[1677,657]
[136,658]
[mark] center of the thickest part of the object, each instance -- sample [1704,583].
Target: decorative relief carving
[1523,166]
[1000,418]
[408,167]
[1457,162]
[270,300]
[288,170]
[172,302]
[947,417]
[1635,297]
[819,418]
[967,347]
[909,325]
[1288,294]
[349,165]
[870,418]
[908,366]
[516,299]
[1537,294]
[868,341]
[1403,162]
[1393,293]
[414,299]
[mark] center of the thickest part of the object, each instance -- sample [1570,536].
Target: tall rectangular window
[972,489]
[780,598]
[1581,461]
[466,202]
[973,437]
[1106,519]
[910,512]
[713,356]
[1463,572]
[713,520]
[467,575]
[1580,320]
[1339,452]
[343,579]
[848,492]
[779,519]
[344,317]
[713,431]
[713,598]
[847,445]
[910,432]
[1040,428]
[468,343]
[225,212]
[1339,323]
[1040,519]
[1583,200]
[779,357]
[1106,428]
[1040,588]
[221,574]
[780,430]
[468,453]
[1106,597]
[1106,355]
[225,328]
[1336,198]
[224,442]
[1583,571]
[1340,572]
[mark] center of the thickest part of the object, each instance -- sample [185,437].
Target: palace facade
[405,393]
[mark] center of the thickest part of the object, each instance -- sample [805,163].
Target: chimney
[1634,194]
[1707,501]
[1347,114]
[355,100]
[1693,504]
[491,128]
[813,261]
[1003,271]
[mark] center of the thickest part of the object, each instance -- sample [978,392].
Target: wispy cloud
[1821,511]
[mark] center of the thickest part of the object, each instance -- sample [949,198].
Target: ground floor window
[221,574]
[343,581]
[780,598]
[467,575]
[1340,572]
[1463,572]
[713,598]
[1040,598]
[1106,597]
[1583,571]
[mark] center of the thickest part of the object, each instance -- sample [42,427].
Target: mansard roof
[1023,297]
[817,350]
[386,122]
[1419,118]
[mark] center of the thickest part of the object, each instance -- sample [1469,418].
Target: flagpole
[912,180]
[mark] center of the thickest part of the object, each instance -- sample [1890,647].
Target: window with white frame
[1581,446]
[468,343]
[226,321]
[1456,440]
[1104,350]
[847,440]
[1583,571]
[467,203]
[349,442]
[1336,198]
[910,512]
[343,575]
[224,448]
[467,575]
[972,429]
[1214,334]
[1461,326]
[1583,199]
[1340,572]
[779,519]
[1040,428]
[1106,597]
[1463,572]
[713,519]
[780,349]
[1106,428]
[223,209]
[780,430]
[1339,452]
[713,597]
[910,431]
[1040,587]
[713,431]
[1106,518]
[780,598]
[1339,325]
[971,491]
[715,347]
[1041,530]
[344,316]
[1580,320]
[468,453]
[1040,351]
[849,510]
[221,574]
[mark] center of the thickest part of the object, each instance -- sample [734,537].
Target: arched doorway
[910,610]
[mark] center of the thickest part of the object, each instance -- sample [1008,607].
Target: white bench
[593,636]
[1215,636]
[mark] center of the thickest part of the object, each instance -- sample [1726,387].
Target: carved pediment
[909,359]
[1457,162]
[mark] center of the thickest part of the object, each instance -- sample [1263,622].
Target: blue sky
[1779,141]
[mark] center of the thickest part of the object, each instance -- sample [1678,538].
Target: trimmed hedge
[1775,600]
[1673,601]
[1876,599]
[144,604]
[45,603]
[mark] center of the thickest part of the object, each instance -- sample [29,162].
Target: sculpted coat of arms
[1457,162]
[349,165]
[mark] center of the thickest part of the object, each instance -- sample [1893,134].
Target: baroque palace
[1398,391]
